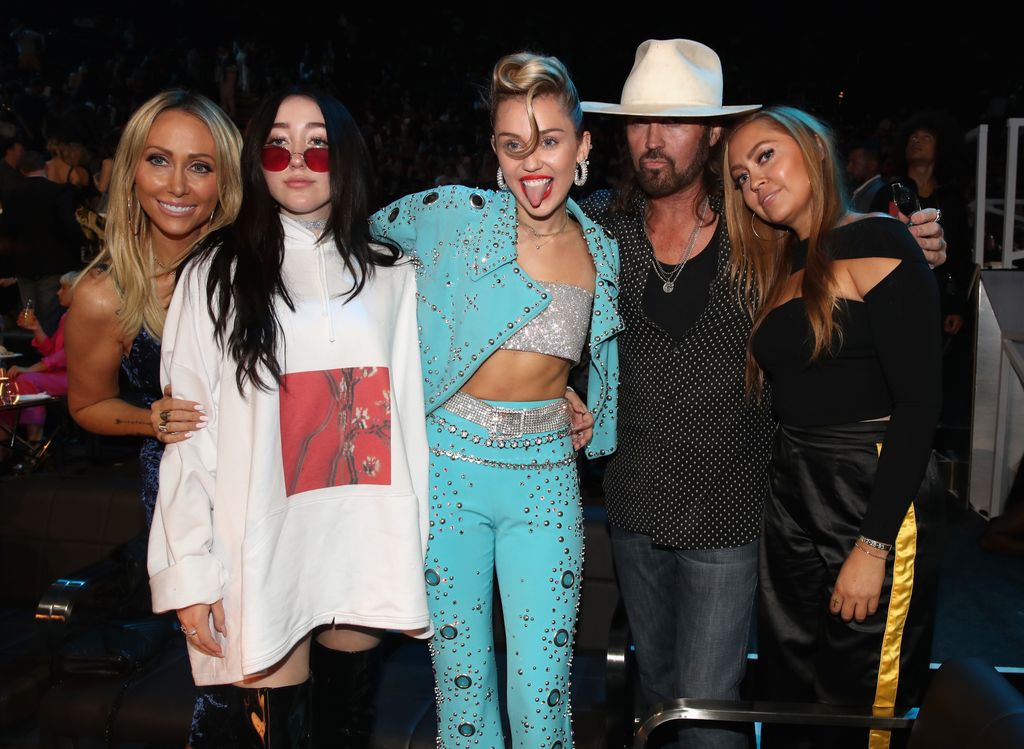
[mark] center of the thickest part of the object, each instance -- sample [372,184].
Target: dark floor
[980,601]
[981,598]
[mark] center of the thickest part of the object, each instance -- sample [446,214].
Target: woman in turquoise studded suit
[512,284]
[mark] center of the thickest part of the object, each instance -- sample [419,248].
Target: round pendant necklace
[668,280]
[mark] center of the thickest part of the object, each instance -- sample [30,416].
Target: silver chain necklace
[668,280]
[315,225]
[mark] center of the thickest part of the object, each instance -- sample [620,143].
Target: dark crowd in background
[71,79]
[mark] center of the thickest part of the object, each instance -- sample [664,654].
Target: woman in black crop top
[846,332]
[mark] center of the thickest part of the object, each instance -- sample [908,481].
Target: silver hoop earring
[501,180]
[763,239]
[582,172]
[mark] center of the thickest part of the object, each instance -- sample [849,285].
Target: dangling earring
[580,177]
[753,215]
[136,228]
[501,180]
[209,224]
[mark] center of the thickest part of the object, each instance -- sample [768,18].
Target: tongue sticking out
[536,190]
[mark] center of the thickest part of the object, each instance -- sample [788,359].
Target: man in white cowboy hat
[685,489]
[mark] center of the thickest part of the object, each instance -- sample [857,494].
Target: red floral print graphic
[335,428]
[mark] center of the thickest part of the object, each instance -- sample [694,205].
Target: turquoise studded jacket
[473,295]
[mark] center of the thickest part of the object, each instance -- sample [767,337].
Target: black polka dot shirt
[691,469]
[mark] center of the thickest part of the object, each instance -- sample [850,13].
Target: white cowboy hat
[672,78]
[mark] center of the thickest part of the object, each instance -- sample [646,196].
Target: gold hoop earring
[754,229]
[136,228]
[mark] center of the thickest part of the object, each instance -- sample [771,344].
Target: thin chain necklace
[543,239]
[668,280]
[162,268]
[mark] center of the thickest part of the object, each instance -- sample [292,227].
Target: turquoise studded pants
[509,504]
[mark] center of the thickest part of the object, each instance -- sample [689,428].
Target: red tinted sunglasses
[277,158]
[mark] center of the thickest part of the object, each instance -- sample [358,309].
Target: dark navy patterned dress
[210,718]
[142,368]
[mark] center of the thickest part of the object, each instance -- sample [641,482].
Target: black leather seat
[49,527]
[969,704]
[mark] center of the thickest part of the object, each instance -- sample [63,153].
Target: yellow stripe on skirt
[896,618]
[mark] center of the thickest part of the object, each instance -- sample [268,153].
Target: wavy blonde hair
[528,75]
[127,254]
[759,267]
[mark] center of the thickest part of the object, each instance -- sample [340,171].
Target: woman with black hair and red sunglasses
[295,521]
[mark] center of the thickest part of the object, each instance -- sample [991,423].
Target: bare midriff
[519,376]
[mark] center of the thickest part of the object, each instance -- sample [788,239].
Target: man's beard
[658,183]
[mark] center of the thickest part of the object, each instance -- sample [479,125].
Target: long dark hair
[949,145]
[246,258]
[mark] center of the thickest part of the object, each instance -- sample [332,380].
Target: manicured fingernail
[204,418]
[200,408]
[202,425]
[188,435]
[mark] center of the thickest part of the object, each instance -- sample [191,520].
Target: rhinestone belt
[509,422]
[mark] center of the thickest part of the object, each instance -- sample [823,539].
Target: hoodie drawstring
[325,295]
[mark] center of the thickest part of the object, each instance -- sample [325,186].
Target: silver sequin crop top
[561,327]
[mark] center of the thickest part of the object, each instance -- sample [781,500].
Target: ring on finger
[165,416]
[162,428]
[188,632]
[938,215]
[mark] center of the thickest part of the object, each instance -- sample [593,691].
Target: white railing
[1010,253]
[984,206]
[980,134]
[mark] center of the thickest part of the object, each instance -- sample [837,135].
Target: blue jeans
[689,612]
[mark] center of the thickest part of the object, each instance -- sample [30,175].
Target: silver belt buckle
[508,423]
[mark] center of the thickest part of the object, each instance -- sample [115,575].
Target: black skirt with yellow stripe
[820,484]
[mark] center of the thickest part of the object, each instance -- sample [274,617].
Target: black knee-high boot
[272,717]
[344,692]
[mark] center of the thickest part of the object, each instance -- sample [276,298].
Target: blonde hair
[528,75]
[74,154]
[760,265]
[127,254]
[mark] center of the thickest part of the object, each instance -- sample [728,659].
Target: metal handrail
[792,713]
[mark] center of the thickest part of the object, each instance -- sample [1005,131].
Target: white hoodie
[307,504]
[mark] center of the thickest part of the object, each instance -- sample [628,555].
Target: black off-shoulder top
[886,361]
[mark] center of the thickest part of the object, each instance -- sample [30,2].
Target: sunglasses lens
[316,159]
[275,158]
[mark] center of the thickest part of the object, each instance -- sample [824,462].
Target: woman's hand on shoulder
[858,587]
[195,625]
[176,419]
